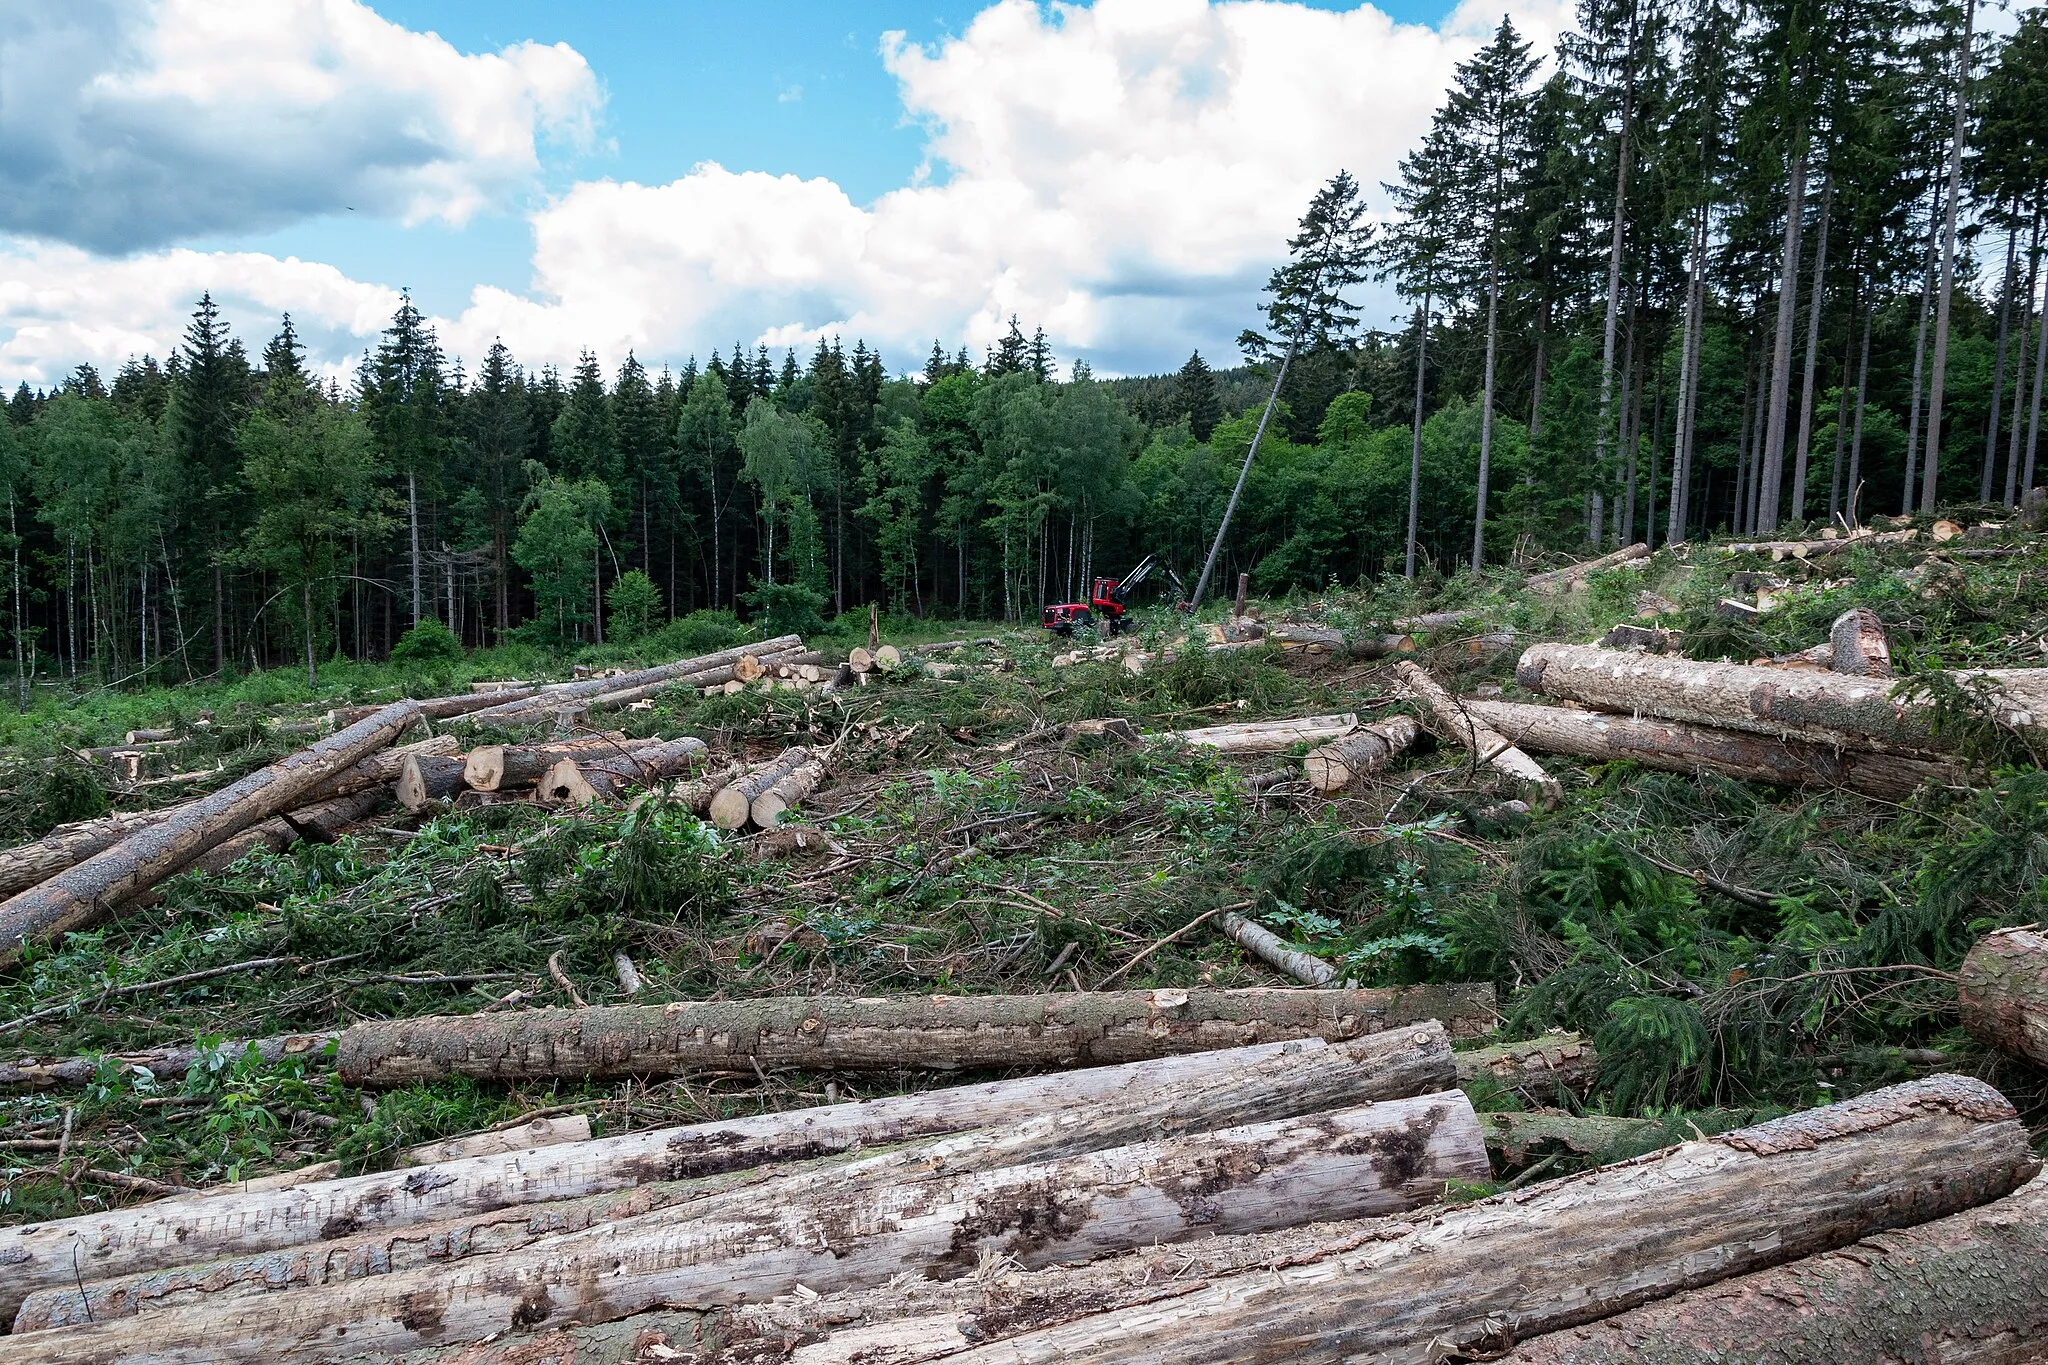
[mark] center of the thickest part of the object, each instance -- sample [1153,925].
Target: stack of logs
[1233,1175]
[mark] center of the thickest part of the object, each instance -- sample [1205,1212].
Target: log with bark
[1807,549]
[425,779]
[82,895]
[489,767]
[1968,1289]
[1229,1085]
[1544,1069]
[788,790]
[836,1033]
[1672,746]
[323,822]
[168,1063]
[1576,573]
[1267,946]
[1471,1280]
[2002,992]
[1327,640]
[1486,744]
[1334,766]
[733,805]
[1267,736]
[1356,1162]
[697,794]
[543,703]
[437,708]
[525,1137]
[584,781]
[1823,707]
[1858,646]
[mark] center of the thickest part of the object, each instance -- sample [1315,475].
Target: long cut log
[792,787]
[837,1033]
[2003,993]
[547,699]
[323,822]
[580,782]
[1542,1069]
[1486,744]
[194,1230]
[1824,707]
[489,767]
[1968,1289]
[1576,573]
[438,708]
[733,805]
[164,1063]
[1673,746]
[710,677]
[1265,945]
[1472,1280]
[1268,736]
[1357,1162]
[82,895]
[1335,765]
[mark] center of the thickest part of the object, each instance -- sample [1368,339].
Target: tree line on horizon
[1721,268]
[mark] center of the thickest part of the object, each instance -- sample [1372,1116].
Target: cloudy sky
[672,176]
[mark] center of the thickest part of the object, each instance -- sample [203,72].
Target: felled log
[1807,549]
[322,822]
[1541,1069]
[547,699]
[1472,1279]
[1335,765]
[1267,946]
[435,708]
[1576,573]
[61,1308]
[489,767]
[164,1063]
[1513,1134]
[1858,646]
[1436,620]
[1267,736]
[82,895]
[1357,1162]
[2002,992]
[583,781]
[733,805]
[1486,744]
[837,1033]
[425,779]
[946,646]
[792,787]
[1672,746]
[1968,1289]
[696,795]
[1231,1085]
[1326,640]
[1825,707]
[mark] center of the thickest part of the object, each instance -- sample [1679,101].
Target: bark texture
[733,805]
[1581,1248]
[1826,707]
[768,808]
[324,823]
[1356,1162]
[1968,1289]
[542,703]
[1487,744]
[490,767]
[1265,945]
[2003,993]
[1268,736]
[1542,1069]
[1672,746]
[582,781]
[190,1230]
[425,779]
[1333,766]
[848,1034]
[1858,646]
[164,1063]
[83,895]
[1576,573]
[1305,1081]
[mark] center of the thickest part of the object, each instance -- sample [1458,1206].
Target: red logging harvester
[1110,600]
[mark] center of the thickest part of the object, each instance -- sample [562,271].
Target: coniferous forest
[1713,268]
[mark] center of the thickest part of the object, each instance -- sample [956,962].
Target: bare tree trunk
[1631,411]
[1854,491]
[1486,401]
[1920,354]
[1415,444]
[1486,744]
[2040,375]
[1771,486]
[1623,152]
[412,521]
[2019,378]
[1738,519]
[2007,286]
[1688,377]
[1813,310]
[1930,469]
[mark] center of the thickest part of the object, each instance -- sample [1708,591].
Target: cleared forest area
[1657,930]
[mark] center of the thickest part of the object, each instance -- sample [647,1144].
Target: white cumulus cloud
[128,124]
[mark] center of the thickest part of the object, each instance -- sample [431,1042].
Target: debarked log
[896,1033]
[1675,746]
[1357,1162]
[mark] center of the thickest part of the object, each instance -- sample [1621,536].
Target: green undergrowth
[1733,950]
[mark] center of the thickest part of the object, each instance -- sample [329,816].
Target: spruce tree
[1194,397]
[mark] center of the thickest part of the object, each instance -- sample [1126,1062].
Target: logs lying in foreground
[1486,744]
[81,895]
[1334,766]
[1472,1279]
[1576,573]
[1353,1162]
[1823,707]
[495,767]
[1971,1287]
[2003,993]
[164,1063]
[792,787]
[1267,736]
[733,804]
[543,702]
[425,779]
[583,781]
[195,1230]
[1673,746]
[846,1034]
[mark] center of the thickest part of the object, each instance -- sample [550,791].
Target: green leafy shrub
[635,603]
[427,643]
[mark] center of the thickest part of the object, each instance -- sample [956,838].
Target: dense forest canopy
[1713,267]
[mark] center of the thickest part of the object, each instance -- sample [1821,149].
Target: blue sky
[1124,174]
